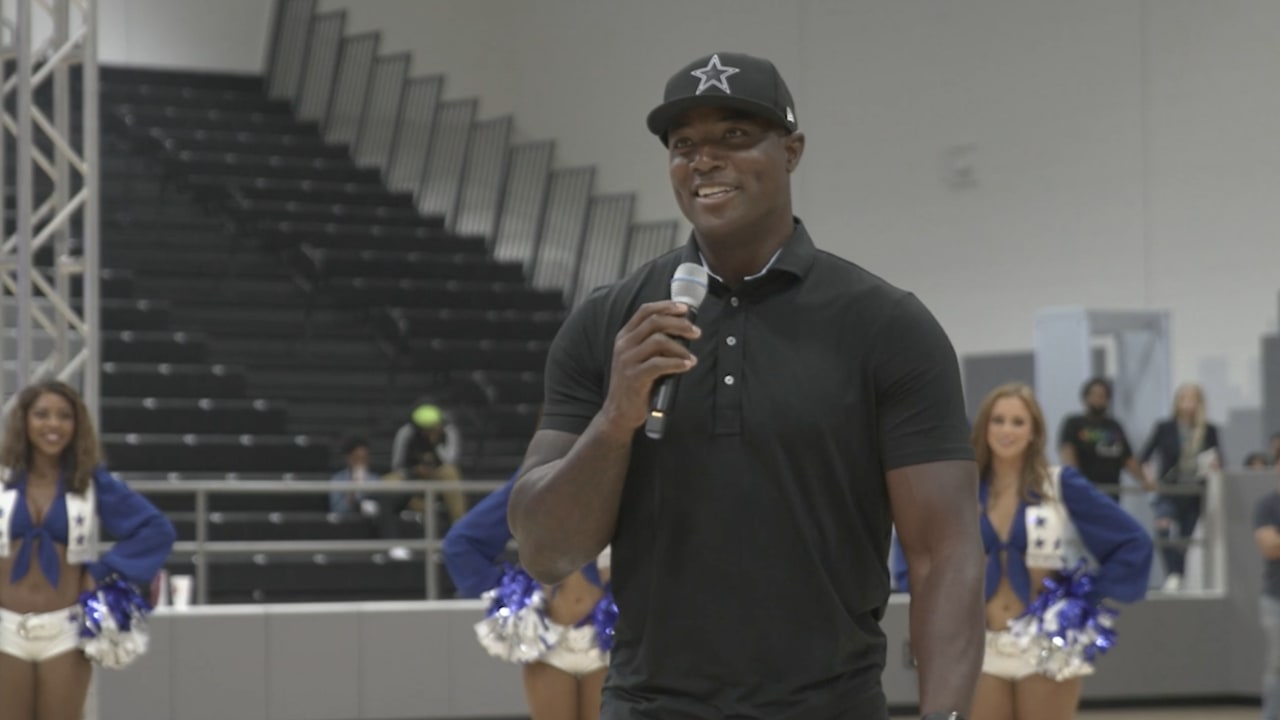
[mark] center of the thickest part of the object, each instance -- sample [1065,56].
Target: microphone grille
[689,284]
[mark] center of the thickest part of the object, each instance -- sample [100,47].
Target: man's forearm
[563,514]
[948,634]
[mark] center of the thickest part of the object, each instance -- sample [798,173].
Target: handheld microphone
[688,286]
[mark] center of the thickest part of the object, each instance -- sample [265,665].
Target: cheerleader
[560,636]
[62,606]
[1038,524]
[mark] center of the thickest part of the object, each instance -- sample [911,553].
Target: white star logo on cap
[714,75]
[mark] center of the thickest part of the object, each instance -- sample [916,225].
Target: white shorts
[577,652]
[1008,659]
[35,637]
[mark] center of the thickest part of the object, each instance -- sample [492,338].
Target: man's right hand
[644,350]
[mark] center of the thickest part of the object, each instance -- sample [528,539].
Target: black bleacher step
[145,315]
[311,208]
[276,526]
[498,355]
[193,415]
[215,166]
[172,380]
[195,260]
[355,385]
[451,294]
[216,453]
[170,212]
[474,420]
[250,143]
[139,219]
[131,346]
[164,94]
[316,352]
[113,283]
[303,578]
[253,211]
[416,265]
[232,138]
[144,239]
[178,116]
[184,502]
[219,289]
[402,388]
[122,75]
[274,321]
[513,387]
[436,241]
[491,465]
[312,190]
[272,165]
[112,164]
[426,323]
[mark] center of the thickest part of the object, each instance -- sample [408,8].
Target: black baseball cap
[726,79]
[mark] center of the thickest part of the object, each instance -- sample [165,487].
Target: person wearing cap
[427,448]
[818,407]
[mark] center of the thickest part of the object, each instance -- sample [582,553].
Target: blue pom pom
[603,617]
[113,628]
[515,628]
[1067,627]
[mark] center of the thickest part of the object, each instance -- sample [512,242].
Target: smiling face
[51,426]
[1010,429]
[730,171]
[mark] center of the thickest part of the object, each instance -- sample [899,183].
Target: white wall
[224,35]
[1125,152]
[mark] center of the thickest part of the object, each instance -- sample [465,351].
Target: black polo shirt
[749,560]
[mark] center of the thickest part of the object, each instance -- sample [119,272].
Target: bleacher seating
[263,293]
[332,294]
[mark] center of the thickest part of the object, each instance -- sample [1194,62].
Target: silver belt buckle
[38,626]
[23,630]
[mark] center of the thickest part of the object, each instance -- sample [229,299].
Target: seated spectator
[427,448]
[1257,461]
[355,453]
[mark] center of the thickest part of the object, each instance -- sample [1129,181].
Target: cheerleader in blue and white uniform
[1053,543]
[61,605]
[560,636]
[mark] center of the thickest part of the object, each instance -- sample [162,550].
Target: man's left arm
[935,509]
[932,484]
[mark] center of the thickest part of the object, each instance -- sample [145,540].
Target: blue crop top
[144,536]
[472,546]
[1121,546]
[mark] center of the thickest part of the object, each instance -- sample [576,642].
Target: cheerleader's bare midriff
[572,600]
[1005,605]
[33,593]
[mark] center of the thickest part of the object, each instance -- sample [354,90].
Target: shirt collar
[795,257]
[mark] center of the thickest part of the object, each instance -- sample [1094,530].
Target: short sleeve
[1067,433]
[1124,442]
[1264,513]
[574,388]
[919,396]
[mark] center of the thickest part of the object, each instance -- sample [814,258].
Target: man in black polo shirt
[817,406]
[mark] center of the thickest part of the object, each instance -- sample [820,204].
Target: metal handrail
[203,547]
